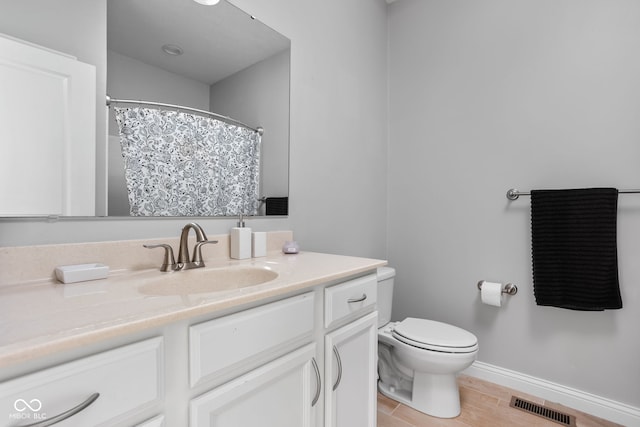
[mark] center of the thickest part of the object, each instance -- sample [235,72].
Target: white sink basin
[205,280]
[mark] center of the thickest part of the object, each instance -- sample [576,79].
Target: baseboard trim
[607,409]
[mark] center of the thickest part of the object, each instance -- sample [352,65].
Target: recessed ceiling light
[207,2]
[172,49]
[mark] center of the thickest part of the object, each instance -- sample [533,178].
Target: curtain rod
[513,194]
[110,101]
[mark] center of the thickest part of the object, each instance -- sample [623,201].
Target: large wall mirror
[178,52]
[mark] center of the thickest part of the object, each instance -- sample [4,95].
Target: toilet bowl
[419,359]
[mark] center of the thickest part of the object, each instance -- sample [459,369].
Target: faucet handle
[169,262]
[197,252]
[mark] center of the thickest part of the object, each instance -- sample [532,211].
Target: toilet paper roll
[491,293]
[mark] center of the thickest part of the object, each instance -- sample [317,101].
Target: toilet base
[433,394]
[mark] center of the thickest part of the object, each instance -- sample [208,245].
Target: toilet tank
[386,276]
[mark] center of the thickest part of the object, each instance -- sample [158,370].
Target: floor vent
[546,413]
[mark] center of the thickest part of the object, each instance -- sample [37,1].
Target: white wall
[494,94]
[338,138]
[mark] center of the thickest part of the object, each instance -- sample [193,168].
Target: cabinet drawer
[348,298]
[228,346]
[127,379]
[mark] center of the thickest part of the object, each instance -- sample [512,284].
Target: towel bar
[509,288]
[513,194]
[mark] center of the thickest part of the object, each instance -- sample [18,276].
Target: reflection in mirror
[173,58]
[230,64]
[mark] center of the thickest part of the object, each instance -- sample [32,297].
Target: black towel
[277,206]
[574,248]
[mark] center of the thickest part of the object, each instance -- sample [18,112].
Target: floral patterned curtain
[181,164]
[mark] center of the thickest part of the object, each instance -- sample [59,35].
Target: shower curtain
[182,164]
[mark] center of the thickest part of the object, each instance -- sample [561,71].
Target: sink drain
[546,413]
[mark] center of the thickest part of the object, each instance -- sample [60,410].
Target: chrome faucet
[184,262]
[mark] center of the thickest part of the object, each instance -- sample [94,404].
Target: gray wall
[130,78]
[338,138]
[265,87]
[489,95]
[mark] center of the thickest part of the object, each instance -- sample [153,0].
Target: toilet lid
[437,336]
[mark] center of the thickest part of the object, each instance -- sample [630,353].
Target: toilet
[419,359]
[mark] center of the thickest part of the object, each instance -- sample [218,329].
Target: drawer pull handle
[335,351]
[67,414]
[318,386]
[362,298]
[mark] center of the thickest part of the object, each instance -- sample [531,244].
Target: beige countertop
[39,318]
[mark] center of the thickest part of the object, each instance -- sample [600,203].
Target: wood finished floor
[483,404]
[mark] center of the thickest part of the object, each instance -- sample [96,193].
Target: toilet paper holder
[509,288]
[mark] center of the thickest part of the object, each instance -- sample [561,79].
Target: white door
[47,141]
[350,374]
[281,393]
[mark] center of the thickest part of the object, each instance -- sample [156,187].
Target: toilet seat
[435,336]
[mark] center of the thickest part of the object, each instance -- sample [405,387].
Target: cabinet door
[282,393]
[350,374]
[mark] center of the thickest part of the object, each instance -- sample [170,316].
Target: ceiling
[139,29]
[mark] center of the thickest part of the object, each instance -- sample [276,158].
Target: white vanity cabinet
[287,390]
[283,385]
[271,363]
[128,379]
[350,354]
